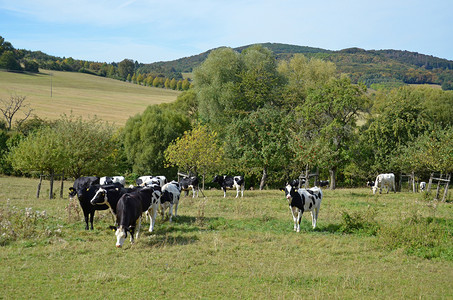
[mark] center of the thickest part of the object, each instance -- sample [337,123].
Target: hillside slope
[53,93]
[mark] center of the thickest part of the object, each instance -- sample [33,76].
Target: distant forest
[375,68]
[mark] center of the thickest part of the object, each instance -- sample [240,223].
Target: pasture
[389,246]
[82,95]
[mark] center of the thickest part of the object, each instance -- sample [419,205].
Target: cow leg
[86,216]
[152,217]
[138,228]
[314,217]
[299,218]
[237,192]
[91,219]
[242,191]
[224,192]
[292,209]
[170,212]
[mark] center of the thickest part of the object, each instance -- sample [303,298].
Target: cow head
[100,197]
[72,192]
[121,234]
[219,179]
[374,188]
[290,192]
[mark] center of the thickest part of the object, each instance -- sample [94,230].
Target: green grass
[82,94]
[232,248]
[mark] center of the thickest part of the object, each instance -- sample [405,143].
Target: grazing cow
[130,209]
[323,183]
[230,182]
[189,183]
[384,180]
[111,180]
[422,186]
[151,180]
[300,200]
[169,199]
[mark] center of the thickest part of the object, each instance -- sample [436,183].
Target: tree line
[251,114]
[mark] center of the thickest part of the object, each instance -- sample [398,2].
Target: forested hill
[392,67]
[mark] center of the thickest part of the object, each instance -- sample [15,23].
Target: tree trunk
[332,172]
[51,186]
[263,179]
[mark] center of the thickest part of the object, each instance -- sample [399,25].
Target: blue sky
[150,31]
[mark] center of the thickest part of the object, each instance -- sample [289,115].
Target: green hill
[368,66]
[53,93]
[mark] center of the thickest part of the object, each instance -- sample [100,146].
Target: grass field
[82,94]
[390,246]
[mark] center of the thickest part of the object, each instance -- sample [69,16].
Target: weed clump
[362,222]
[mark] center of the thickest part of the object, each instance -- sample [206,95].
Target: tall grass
[365,246]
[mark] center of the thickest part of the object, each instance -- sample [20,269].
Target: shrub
[360,222]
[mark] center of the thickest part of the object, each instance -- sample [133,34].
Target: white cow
[300,200]
[422,186]
[384,180]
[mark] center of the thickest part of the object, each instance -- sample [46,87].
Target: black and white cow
[301,200]
[151,180]
[322,183]
[85,188]
[189,183]
[169,199]
[296,183]
[111,180]
[230,182]
[109,195]
[129,210]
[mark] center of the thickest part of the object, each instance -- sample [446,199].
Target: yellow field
[53,93]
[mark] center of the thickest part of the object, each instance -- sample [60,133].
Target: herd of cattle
[127,204]
[153,193]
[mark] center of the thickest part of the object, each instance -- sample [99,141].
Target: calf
[130,209]
[170,198]
[189,183]
[300,200]
[384,180]
[230,182]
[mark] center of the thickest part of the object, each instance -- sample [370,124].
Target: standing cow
[189,183]
[230,182]
[384,181]
[301,200]
[130,208]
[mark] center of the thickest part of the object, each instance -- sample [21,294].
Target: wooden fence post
[430,182]
[444,198]
[39,186]
[51,186]
[62,185]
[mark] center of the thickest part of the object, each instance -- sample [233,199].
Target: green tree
[259,143]
[328,119]
[197,151]
[302,75]
[126,67]
[399,116]
[71,145]
[173,84]
[140,78]
[9,62]
[146,137]
[167,83]
[185,84]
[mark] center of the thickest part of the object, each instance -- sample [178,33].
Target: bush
[359,222]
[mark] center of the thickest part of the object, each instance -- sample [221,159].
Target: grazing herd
[152,194]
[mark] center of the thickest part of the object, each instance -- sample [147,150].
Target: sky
[148,31]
